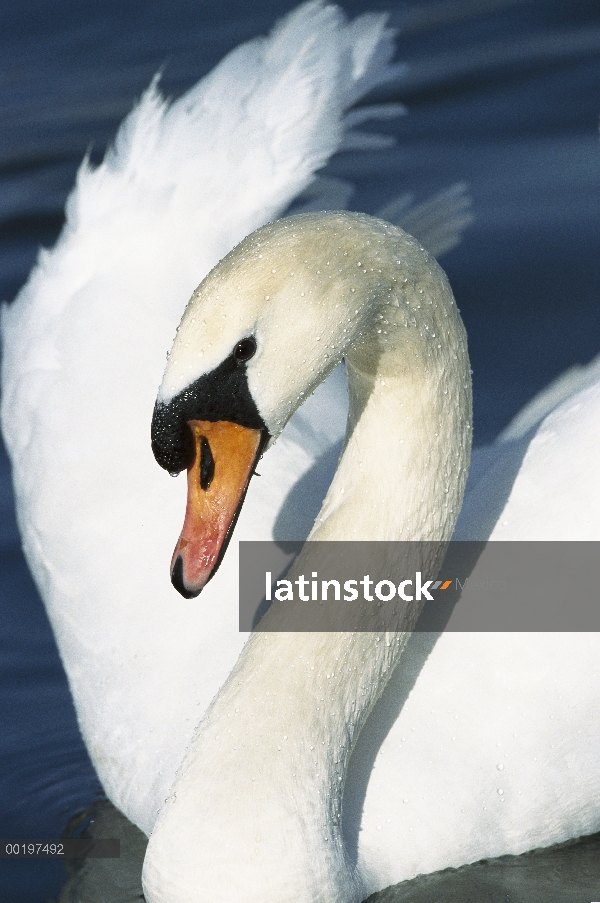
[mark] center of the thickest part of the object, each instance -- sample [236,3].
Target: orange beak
[225,457]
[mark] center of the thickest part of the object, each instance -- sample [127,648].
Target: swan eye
[244,350]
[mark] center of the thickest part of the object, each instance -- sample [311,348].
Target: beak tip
[179,583]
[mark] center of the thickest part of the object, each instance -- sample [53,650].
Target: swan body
[550,446]
[83,353]
[82,358]
[444,729]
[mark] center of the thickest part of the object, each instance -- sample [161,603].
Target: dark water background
[504,95]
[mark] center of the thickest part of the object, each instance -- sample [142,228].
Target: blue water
[507,99]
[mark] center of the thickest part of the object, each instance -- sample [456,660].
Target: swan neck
[406,453]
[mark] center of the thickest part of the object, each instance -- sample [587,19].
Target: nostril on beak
[207,464]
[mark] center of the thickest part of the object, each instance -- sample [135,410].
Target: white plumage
[84,349]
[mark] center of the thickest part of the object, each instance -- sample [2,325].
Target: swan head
[260,333]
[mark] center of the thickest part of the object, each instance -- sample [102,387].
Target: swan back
[83,352]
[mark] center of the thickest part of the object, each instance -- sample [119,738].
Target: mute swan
[262,329]
[82,360]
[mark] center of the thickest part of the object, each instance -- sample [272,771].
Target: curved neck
[404,466]
[283,727]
